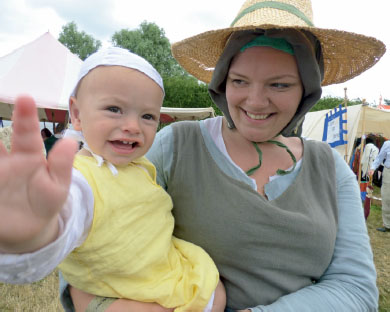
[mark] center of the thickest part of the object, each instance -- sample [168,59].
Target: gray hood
[307,51]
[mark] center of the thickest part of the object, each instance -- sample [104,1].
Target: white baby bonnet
[111,56]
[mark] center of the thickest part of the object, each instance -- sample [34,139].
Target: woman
[280,216]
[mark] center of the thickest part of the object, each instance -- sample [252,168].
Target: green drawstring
[258,150]
[279,171]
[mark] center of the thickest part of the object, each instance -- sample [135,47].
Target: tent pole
[66,121]
[345,125]
[54,123]
[363,140]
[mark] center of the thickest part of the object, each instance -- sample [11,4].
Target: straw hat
[345,54]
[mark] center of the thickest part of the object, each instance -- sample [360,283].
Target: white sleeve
[75,220]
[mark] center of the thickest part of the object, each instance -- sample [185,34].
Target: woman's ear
[74,113]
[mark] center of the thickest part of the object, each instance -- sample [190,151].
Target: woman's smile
[257,116]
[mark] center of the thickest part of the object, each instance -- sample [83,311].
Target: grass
[380,243]
[43,295]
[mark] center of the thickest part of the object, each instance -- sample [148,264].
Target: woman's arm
[74,225]
[349,283]
[382,155]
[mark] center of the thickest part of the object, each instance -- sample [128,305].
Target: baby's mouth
[125,144]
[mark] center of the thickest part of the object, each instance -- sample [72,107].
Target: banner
[335,127]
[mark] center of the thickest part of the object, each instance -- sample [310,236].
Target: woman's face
[263,91]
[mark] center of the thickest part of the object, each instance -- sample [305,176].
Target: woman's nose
[257,96]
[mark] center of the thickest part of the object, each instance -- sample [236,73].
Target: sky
[22,21]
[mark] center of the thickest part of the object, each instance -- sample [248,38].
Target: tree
[77,42]
[329,102]
[187,92]
[149,41]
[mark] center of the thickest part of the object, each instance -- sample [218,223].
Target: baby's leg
[219,298]
[81,300]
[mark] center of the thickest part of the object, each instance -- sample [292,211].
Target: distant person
[48,139]
[384,158]
[369,154]
[59,130]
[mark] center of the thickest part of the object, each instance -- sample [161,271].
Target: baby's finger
[60,160]
[26,137]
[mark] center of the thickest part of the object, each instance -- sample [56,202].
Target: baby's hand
[32,189]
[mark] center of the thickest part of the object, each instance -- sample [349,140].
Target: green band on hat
[274,5]
[276,43]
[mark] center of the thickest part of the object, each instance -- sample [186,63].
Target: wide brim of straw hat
[345,54]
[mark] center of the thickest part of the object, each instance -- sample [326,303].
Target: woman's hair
[46,132]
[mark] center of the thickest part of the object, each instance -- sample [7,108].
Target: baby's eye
[114,109]
[149,117]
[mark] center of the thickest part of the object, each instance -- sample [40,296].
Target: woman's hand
[32,189]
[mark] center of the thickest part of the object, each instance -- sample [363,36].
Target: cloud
[7,17]
[95,17]
[20,24]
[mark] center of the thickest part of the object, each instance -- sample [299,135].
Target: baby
[123,247]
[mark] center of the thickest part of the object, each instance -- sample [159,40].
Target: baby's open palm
[32,189]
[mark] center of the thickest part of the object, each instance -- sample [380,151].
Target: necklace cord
[260,153]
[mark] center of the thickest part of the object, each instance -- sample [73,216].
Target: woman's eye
[280,85]
[238,82]
[148,117]
[114,109]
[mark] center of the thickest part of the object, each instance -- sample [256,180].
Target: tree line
[150,42]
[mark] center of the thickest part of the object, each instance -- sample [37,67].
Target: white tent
[47,70]
[360,120]
[171,114]
[44,69]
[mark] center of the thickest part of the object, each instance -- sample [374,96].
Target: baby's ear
[74,113]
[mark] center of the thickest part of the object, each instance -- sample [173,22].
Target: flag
[335,130]
[384,107]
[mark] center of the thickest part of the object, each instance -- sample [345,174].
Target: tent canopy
[171,114]
[44,69]
[360,119]
[48,71]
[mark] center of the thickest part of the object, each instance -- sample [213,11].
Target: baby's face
[118,110]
